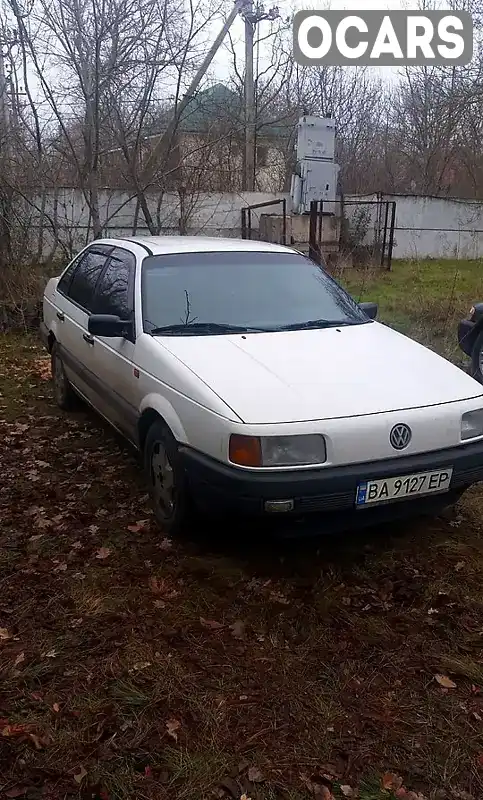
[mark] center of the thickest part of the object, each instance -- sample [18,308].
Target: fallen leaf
[255,775]
[103,552]
[391,782]
[317,789]
[138,526]
[445,682]
[459,566]
[211,624]
[244,797]
[50,654]
[238,629]
[38,741]
[278,597]
[19,659]
[16,791]
[93,528]
[162,587]
[16,729]
[56,708]
[80,775]
[172,726]
[148,772]
[140,666]
[4,634]
[347,791]
[165,544]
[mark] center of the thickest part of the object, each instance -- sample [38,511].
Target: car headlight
[277,451]
[472,424]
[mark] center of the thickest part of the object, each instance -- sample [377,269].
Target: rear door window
[115,291]
[84,280]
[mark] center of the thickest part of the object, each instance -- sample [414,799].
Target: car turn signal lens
[245,451]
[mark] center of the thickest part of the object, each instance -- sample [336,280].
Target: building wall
[425,226]
[215,163]
[431,227]
[64,215]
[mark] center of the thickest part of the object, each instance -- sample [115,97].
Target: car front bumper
[330,491]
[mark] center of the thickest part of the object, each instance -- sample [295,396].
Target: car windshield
[229,291]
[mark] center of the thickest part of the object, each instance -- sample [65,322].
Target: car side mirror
[370,309]
[109,325]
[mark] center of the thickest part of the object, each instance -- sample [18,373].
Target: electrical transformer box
[316,139]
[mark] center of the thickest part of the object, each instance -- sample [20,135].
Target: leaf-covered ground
[225,664]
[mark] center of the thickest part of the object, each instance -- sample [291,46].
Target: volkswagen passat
[251,382]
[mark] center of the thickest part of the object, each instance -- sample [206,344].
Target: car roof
[159,245]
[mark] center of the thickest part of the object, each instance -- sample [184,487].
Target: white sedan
[251,382]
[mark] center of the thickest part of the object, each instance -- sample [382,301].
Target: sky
[220,69]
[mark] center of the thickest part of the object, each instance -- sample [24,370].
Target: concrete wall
[425,226]
[64,215]
[431,227]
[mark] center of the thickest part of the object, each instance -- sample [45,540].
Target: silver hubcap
[162,480]
[59,378]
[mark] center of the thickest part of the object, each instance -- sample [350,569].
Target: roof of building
[222,104]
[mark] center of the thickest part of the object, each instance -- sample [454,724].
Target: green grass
[423,299]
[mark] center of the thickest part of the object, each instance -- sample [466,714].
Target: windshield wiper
[202,328]
[318,323]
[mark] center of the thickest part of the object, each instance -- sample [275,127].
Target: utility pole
[5,161]
[252,16]
[4,103]
[250,123]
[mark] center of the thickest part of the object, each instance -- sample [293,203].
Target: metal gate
[246,218]
[367,231]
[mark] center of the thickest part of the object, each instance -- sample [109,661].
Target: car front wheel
[166,479]
[477,358]
[65,396]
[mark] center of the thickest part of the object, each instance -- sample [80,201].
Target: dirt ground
[225,664]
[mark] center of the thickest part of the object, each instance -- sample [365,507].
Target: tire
[64,394]
[477,358]
[166,479]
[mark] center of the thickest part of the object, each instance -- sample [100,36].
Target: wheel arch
[154,407]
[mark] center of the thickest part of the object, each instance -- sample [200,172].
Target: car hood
[321,374]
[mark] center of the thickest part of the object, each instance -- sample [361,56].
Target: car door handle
[60,316]
[87,338]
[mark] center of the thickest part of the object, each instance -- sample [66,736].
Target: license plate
[386,490]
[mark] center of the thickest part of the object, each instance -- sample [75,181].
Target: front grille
[325,502]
